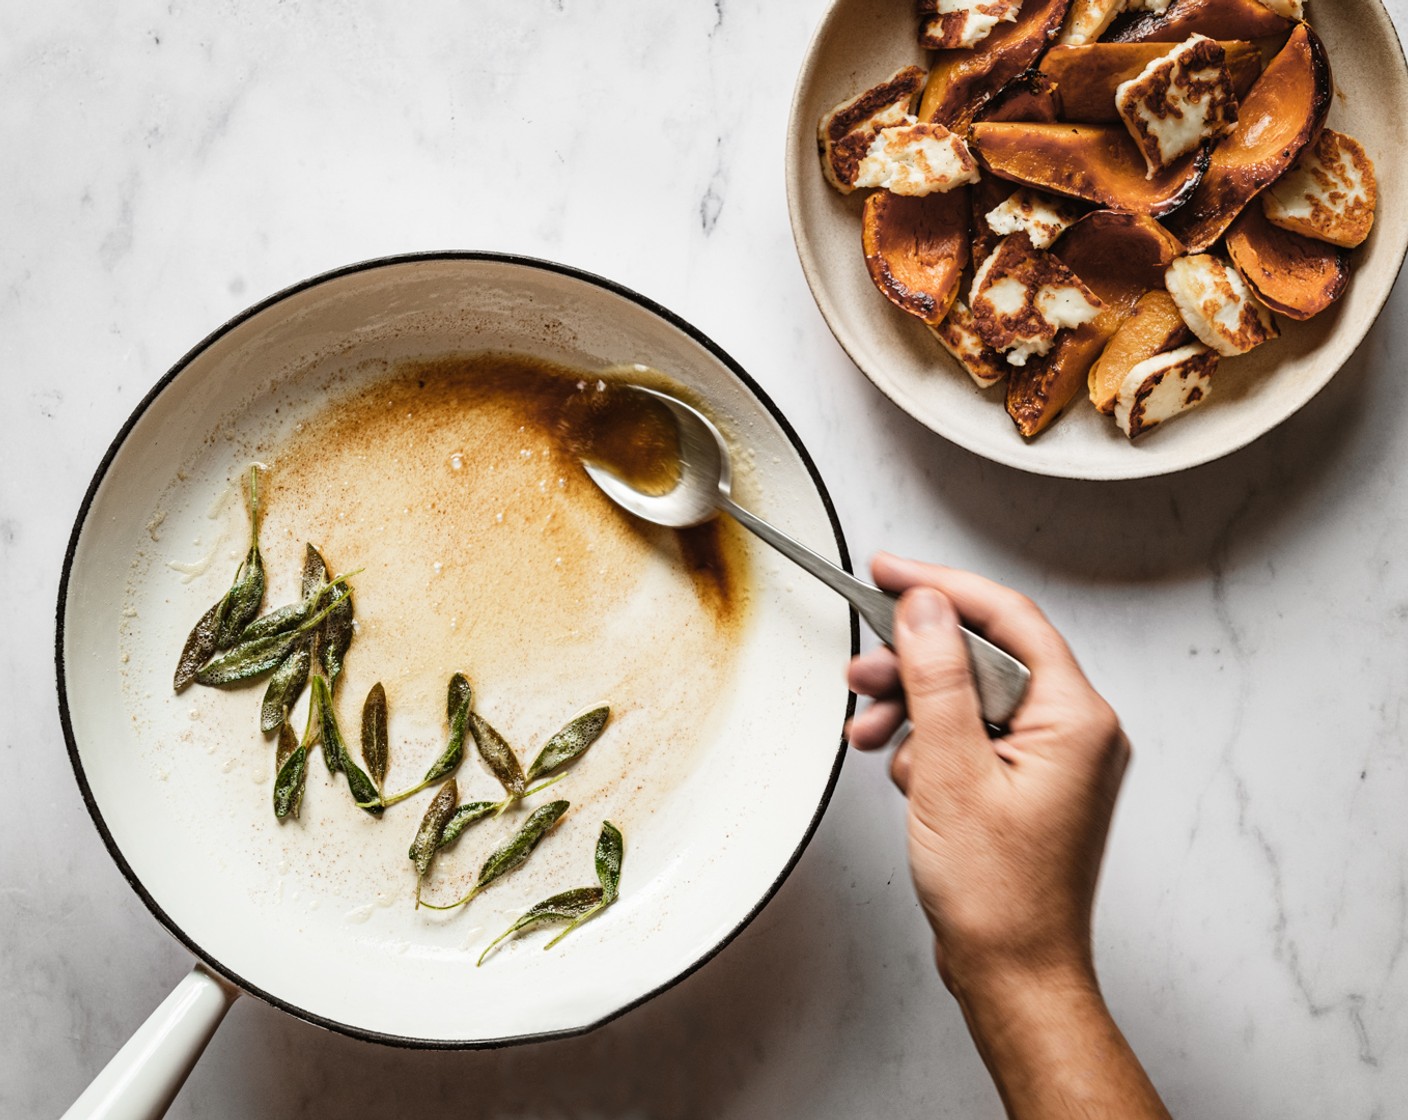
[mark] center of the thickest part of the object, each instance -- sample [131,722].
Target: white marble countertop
[169,163]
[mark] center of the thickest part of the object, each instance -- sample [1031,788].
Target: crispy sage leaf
[514,851]
[279,621]
[432,827]
[289,782]
[285,686]
[498,756]
[459,697]
[519,847]
[199,647]
[255,658]
[610,849]
[564,907]
[243,600]
[336,634]
[376,752]
[580,732]
[336,755]
[465,815]
[315,572]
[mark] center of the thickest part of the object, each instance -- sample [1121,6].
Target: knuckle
[938,677]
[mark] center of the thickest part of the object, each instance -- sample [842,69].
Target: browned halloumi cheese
[917,159]
[1329,194]
[1161,387]
[1042,217]
[960,338]
[1218,305]
[845,134]
[1180,100]
[1289,9]
[958,24]
[1023,297]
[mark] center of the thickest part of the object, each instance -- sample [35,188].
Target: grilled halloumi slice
[1218,305]
[917,159]
[845,134]
[1161,387]
[1178,101]
[1089,19]
[1329,194]
[1023,297]
[1043,218]
[957,24]
[961,339]
[1290,9]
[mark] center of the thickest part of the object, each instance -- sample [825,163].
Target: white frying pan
[315,918]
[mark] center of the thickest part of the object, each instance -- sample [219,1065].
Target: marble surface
[168,163]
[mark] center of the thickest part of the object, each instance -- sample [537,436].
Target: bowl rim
[100,473]
[795,164]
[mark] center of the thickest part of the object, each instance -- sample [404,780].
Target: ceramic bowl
[860,42]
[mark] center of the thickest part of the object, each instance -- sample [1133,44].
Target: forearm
[1054,1051]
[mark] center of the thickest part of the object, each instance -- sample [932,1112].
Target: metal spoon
[703,489]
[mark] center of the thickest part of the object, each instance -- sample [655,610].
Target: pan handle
[144,1077]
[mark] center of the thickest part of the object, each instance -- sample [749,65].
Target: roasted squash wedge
[1153,327]
[916,249]
[1028,97]
[1088,76]
[1098,163]
[961,81]
[1284,111]
[1217,19]
[1295,275]
[1119,256]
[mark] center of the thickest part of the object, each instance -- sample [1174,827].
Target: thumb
[938,678]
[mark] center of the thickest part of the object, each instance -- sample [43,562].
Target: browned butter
[456,490]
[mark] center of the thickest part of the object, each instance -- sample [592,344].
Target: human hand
[1005,835]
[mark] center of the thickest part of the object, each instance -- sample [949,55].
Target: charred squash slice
[1217,19]
[1154,327]
[1097,163]
[1087,76]
[1119,256]
[1284,111]
[961,81]
[1028,97]
[1295,275]
[916,249]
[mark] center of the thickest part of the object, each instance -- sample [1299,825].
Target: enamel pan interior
[208,861]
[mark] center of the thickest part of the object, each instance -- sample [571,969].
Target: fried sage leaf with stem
[575,906]
[336,634]
[376,749]
[220,626]
[610,851]
[513,852]
[579,733]
[335,752]
[564,907]
[291,774]
[285,687]
[246,594]
[432,827]
[465,815]
[458,701]
[250,660]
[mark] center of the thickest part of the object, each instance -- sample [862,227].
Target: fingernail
[924,609]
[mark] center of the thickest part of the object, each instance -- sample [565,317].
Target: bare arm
[1006,838]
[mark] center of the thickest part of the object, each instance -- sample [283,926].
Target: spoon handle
[1000,677]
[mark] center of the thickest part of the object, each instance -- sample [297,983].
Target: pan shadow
[1173,526]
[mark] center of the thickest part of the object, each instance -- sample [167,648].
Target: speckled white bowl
[860,42]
